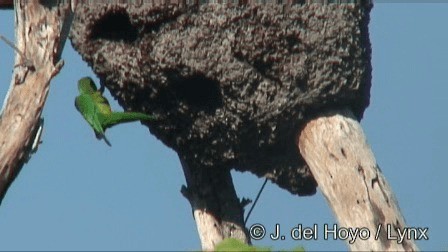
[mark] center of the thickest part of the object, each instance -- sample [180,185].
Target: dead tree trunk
[336,150]
[216,208]
[40,32]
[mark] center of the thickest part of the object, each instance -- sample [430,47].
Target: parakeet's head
[86,86]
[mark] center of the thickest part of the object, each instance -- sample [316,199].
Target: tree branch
[216,208]
[41,32]
[336,150]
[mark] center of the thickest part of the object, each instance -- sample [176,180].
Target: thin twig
[256,199]
[12,45]
[28,63]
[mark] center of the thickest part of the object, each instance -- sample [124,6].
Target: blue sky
[76,193]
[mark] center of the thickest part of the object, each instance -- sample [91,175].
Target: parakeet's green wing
[86,86]
[86,106]
[101,103]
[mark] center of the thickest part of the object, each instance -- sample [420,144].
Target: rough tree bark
[233,85]
[216,208]
[40,32]
[327,66]
[336,150]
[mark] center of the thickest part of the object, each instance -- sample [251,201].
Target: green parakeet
[96,110]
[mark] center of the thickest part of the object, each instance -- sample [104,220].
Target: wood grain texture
[41,33]
[216,208]
[335,148]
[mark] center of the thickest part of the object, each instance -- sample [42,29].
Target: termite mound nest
[231,85]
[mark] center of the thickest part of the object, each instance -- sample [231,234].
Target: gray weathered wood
[216,208]
[336,150]
[40,32]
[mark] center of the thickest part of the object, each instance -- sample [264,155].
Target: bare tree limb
[216,208]
[41,32]
[336,150]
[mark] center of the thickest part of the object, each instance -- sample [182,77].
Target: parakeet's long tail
[107,141]
[123,117]
[102,136]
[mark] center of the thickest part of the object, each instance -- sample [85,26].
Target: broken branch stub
[231,84]
[336,150]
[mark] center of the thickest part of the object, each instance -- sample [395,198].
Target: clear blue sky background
[76,193]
